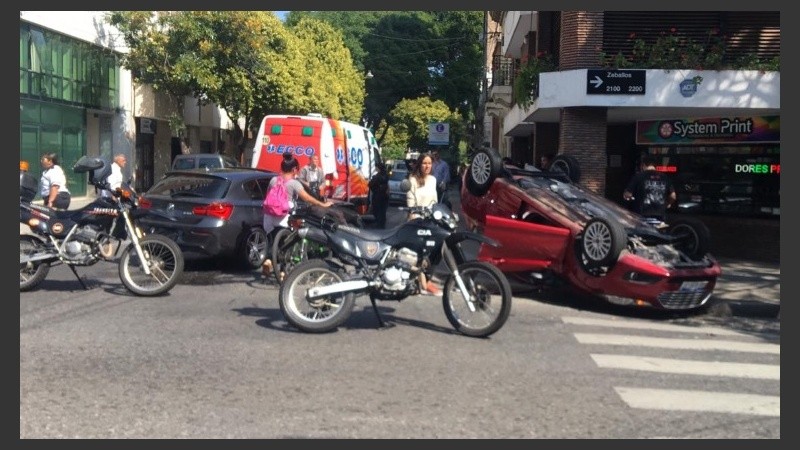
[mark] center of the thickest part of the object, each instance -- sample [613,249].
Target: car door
[255,190]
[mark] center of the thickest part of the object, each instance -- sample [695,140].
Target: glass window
[191,186]
[252,190]
[60,67]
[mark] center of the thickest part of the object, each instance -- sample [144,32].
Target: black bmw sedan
[212,213]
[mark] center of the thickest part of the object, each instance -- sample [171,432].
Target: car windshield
[398,175]
[174,186]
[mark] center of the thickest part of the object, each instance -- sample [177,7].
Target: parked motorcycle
[318,295]
[149,265]
[289,249]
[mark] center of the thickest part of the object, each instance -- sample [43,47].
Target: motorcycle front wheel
[164,259]
[314,315]
[31,273]
[490,295]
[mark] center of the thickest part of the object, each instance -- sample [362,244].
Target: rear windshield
[191,186]
[183,163]
[398,175]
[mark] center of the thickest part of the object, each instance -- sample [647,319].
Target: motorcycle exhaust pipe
[33,258]
[337,288]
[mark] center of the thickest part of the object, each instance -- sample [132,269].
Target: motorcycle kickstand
[381,324]
[78,277]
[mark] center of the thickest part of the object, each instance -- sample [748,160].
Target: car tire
[484,167]
[568,165]
[601,242]
[253,248]
[696,236]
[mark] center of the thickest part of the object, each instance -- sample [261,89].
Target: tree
[412,54]
[332,85]
[243,61]
[410,119]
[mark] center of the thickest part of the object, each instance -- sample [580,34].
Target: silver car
[395,194]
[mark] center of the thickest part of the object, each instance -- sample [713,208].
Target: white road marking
[688,367]
[684,400]
[639,325]
[687,344]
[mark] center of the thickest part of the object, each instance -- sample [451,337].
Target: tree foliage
[246,62]
[333,86]
[239,60]
[410,118]
[412,54]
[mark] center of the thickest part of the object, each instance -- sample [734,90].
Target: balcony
[517,25]
[501,82]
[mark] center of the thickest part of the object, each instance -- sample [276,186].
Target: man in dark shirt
[379,188]
[650,191]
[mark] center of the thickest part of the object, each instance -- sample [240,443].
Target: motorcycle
[289,249]
[149,265]
[318,295]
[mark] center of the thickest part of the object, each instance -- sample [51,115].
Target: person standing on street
[53,184]
[312,177]
[650,191]
[117,176]
[423,193]
[441,170]
[294,191]
[379,187]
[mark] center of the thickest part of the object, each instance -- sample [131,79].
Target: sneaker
[432,289]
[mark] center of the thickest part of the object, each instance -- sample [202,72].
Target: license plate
[693,285]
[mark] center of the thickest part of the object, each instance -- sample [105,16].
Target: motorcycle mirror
[405,185]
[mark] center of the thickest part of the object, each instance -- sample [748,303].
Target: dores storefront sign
[711,130]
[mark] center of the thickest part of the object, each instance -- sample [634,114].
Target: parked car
[212,213]
[552,228]
[203,161]
[395,194]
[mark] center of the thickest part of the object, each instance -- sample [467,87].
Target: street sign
[615,82]
[438,133]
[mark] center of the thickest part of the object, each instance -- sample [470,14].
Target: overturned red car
[550,227]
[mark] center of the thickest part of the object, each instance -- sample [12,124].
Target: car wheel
[253,248]
[485,166]
[568,165]
[601,242]
[692,236]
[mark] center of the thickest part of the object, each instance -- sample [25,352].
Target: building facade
[76,99]
[717,132]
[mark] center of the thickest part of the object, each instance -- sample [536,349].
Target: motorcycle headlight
[437,215]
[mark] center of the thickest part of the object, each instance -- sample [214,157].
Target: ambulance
[348,152]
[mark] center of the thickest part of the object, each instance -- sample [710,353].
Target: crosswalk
[687,351]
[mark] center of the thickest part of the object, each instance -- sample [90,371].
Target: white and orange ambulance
[348,152]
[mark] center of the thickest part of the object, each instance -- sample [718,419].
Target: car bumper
[637,281]
[208,241]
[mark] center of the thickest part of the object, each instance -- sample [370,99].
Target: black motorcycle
[289,249]
[149,265]
[318,295]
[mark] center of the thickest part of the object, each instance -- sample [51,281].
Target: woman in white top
[423,193]
[53,184]
[423,184]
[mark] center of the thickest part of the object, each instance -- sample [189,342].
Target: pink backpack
[276,203]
